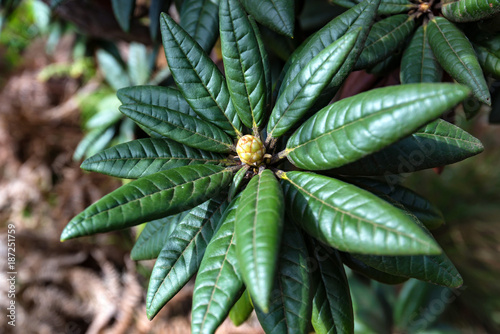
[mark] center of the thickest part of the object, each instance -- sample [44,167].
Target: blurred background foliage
[58,81]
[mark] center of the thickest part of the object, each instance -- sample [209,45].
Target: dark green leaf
[183,252]
[426,213]
[352,219]
[218,282]
[279,15]
[385,38]
[182,128]
[242,310]
[419,63]
[305,88]
[200,19]
[360,16]
[489,60]
[259,223]
[153,237]
[149,198]
[470,10]
[436,269]
[143,157]
[457,57]
[265,63]
[387,7]
[243,64]
[157,6]
[123,10]
[290,305]
[370,272]
[165,97]
[331,305]
[112,69]
[198,78]
[354,127]
[437,144]
[237,180]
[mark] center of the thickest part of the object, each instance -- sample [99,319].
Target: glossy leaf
[200,19]
[331,305]
[149,198]
[153,237]
[279,15]
[165,97]
[237,180]
[143,157]
[426,213]
[259,224]
[489,60]
[456,55]
[438,144]
[218,282]
[290,305]
[419,64]
[470,10]
[305,88]
[182,128]
[183,252]
[387,7]
[385,37]
[243,64]
[436,269]
[265,63]
[352,219]
[198,78]
[368,122]
[362,268]
[123,10]
[241,310]
[360,16]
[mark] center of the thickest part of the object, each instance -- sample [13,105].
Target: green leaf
[243,65]
[218,282]
[385,37]
[387,7]
[149,198]
[165,97]
[438,144]
[93,142]
[200,19]
[331,305]
[290,305]
[419,63]
[198,78]
[352,219]
[138,67]
[305,88]
[436,269]
[265,63]
[489,60]
[259,224]
[360,16]
[470,10]
[147,156]
[183,252]
[123,10]
[456,55]
[278,15]
[112,69]
[182,128]
[242,310]
[426,213]
[153,237]
[157,6]
[362,268]
[107,113]
[237,180]
[368,122]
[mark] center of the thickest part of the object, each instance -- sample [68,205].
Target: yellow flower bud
[250,150]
